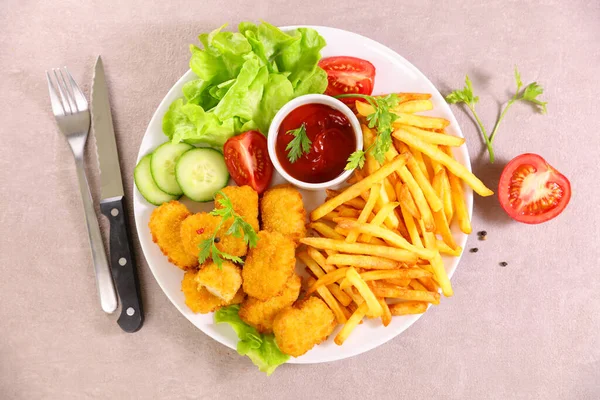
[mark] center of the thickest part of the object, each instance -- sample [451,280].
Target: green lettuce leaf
[260,348]
[244,78]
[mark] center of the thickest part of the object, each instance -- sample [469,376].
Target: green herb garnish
[299,145]
[382,119]
[465,95]
[239,228]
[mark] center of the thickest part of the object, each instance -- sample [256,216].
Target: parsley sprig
[382,119]
[239,228]
[299,145]
[465,95]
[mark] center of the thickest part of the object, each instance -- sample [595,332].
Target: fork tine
[65,103]
[82,103]
[57,107]
[68,93]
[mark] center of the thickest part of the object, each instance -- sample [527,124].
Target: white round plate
[394,74]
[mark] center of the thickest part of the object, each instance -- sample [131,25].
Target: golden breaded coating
[268,265]
[245,203]
[282,210]
[200,300]
[300,327]
[260,314]
[165,223]
[197,298]
[201,226]
[222,282]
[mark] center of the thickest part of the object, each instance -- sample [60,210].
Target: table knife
[112,205]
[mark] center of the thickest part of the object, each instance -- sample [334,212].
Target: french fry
[352,323]
[320,259]
[387,235]
[386,317]
[344,211]
[447,196]
[445,249]
[357,202]
[438,265]
[356,189]
[398,282]
[375,309]
[346,232]
[458,200]
[327,279]
[444,228]
[315,268]
[419,198]
[330,216]
[325,230]
[453,166]
[407,273]
[407,201]
[432,137]
[379,219]
[432,199]
[421,121]
[411,227]
[408,307]
[413,106]
[362,248]
[419,158]
[428,283]
[394,292]
[331,302]
[365,262]
[364,214]
[416,285]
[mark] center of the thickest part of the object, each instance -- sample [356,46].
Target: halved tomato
[247,159]
[347,75]
[532,191]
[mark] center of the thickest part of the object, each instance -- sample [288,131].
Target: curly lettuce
[260,348]
[244,78]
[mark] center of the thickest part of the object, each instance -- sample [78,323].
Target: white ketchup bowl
[291,106]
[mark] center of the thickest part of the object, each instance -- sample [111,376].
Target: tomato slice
[247,159]
[347,75]
[532,191]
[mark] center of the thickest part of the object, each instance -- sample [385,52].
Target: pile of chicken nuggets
[266,286]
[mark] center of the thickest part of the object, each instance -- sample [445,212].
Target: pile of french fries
[380,240]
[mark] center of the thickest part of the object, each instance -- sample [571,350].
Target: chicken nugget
[268,265]
[222,282]
[245,203]
[165,223]
[260,314]
[201,226]
[200,300]
[282,210]
[300,327]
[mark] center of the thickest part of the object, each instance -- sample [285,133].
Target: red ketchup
[332,140]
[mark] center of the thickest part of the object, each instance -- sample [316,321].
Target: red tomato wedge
[347,75]
[247,159]
[532,191]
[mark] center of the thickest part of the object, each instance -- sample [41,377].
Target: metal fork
[72,114]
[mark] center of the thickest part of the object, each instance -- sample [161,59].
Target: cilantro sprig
[465,95]
[382,119]
[299,145]
[239,228]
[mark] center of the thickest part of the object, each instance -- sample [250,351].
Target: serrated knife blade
[111,184]
[112,205]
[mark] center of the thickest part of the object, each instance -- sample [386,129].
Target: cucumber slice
[145,184]
[201,172]
[162,166]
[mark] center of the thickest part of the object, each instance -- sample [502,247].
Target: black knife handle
[123,265]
